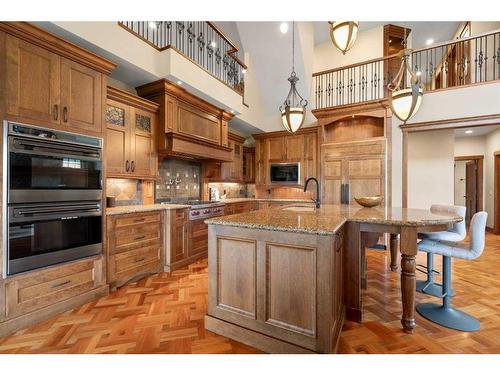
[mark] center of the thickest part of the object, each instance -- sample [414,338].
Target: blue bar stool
[446,315]
[456,234]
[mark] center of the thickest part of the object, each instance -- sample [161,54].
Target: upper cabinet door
[32,82]
[294,146]
[142,151]
[81,97]
[276,149]
[117,138]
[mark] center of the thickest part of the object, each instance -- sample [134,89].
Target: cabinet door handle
[342,188]
[139,220]
[132,166]
[127,166]
[65,114]
[139,238]
[56,112]
[58,285]
[140,260]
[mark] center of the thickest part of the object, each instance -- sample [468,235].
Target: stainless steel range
[199,209]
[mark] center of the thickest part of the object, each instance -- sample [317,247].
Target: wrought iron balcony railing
[457,63]
[199,41]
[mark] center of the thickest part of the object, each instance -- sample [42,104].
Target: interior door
[81,96]
[117,138]
[32,82]
[470,189]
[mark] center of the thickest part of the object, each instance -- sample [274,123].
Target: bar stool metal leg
[429,286]
[446,315]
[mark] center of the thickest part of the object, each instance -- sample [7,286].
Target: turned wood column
[408,247]
[394,252]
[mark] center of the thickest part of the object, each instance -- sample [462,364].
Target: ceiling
[440,31]
[477,131]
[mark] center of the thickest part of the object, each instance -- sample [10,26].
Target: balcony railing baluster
[200,42]
[456,63]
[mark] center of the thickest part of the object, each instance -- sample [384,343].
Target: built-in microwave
[285,173]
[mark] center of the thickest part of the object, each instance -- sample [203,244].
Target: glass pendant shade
[344,34]
[406,94]
[405,102]
[292,118]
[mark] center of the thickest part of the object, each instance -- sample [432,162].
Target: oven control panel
[206,212]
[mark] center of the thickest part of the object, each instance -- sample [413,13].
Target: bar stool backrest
[458,228]
[477,233]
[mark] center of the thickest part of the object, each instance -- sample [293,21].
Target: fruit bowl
[369,201]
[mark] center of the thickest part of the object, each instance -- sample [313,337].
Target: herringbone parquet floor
[164,314]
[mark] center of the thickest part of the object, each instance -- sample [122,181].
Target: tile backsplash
[178,179]
[234,190]
[125,191]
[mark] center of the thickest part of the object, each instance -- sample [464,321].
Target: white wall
[430,168]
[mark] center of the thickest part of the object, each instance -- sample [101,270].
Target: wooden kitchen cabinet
[233,171]
[135,245]
[58,85]
[130,135]
[281,147]
[248,164]
[33,291]
[176,238]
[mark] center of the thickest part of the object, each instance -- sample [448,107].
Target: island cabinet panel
[291,280]
[276,284]
[134,245]
[2,300]
[237,276]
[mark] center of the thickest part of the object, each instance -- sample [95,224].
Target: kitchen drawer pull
[127,166]
[139,238]
[65,114]
[56,112]
[139,220]
[140,260]
[132,166]
[54,286]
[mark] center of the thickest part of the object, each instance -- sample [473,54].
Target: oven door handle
[55,149]
[84,208]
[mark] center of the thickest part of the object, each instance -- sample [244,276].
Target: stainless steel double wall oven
[53,193]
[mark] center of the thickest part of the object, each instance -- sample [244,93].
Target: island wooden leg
[408,280]
[394,252]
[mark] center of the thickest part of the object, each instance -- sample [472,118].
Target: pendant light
[293,110]
[405,101]
[343,34]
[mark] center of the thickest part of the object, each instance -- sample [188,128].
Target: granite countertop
[328,219]
[284,200]
[120,210]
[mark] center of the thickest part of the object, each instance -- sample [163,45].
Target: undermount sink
[300,208]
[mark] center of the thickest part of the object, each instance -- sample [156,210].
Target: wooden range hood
[189,127]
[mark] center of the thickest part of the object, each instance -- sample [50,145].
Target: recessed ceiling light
[213,44]
[469,132]
[284,27]
[243,71]
[429,41]
[232,111]
[152,25]
[179,83]
[418,73]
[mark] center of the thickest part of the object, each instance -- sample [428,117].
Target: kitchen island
[283,280]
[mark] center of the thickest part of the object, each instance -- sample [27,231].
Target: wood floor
[164,314]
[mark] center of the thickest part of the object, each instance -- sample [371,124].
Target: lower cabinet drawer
[137,219]
[199,237]
[127,263]
[35,290]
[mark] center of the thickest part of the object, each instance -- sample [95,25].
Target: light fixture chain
[293,46]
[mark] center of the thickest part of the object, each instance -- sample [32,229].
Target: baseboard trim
[252,338]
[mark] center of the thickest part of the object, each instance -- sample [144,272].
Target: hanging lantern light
[405,101]
[343,34]
[293,110]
